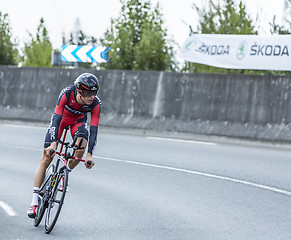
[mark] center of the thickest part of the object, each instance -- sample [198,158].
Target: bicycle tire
[56,200]
[41,198]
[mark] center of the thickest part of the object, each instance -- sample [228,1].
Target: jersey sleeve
[95,115]
[57,116]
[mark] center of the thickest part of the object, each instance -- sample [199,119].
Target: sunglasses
[88,93]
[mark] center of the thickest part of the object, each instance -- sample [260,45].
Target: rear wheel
[42,201]
[56,200]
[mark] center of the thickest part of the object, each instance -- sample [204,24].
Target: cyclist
[74,102]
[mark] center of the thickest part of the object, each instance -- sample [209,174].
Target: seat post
[64,138]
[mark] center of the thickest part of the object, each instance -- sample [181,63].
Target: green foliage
[82,39]
[38,52]
[226,19]
[137,40]
[8,51]
[78,37]
[278,29]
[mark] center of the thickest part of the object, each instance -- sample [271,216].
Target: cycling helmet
[87,84]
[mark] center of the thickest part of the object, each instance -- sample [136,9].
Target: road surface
[149,187]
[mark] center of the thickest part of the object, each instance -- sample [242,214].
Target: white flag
[239,51]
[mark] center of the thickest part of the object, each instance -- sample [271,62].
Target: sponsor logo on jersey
[52,133]
[71,110]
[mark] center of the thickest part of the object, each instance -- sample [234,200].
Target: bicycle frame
[64,157]
[48,193]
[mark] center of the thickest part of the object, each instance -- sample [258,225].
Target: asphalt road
[146,187]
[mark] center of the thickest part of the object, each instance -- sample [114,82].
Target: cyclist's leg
[78,153]
[46,159]
[79,131]
[41,169]
[40,173]
[38,179]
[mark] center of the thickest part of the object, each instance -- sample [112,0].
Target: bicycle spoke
[56,200]
[42,204]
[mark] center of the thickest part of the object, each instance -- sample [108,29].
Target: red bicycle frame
[62,155]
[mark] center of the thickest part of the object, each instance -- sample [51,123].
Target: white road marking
[181,140]
[261,186]
[24,126]
[265,187]
[21,147]
[9,210]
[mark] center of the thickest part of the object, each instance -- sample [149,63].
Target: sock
[35,196]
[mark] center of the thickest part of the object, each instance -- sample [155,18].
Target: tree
[279,29]
[38,52]
[8,51]
[137,40]
[285,28]
[78,37]
[218,19]
[225,19]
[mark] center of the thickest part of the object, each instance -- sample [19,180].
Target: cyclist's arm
[57,117]
[95,114]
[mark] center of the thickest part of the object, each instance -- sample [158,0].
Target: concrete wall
[254,107]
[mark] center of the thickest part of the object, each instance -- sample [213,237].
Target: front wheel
[56,200]
[42,198]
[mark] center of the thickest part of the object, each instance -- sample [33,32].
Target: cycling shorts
[79,128]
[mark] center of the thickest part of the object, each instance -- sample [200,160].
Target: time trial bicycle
[53,189]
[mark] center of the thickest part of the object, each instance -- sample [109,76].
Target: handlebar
[75,158]
[73,146]
[89,163]
[52,152]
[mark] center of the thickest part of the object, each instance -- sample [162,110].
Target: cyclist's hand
[51,150]
[89,163]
